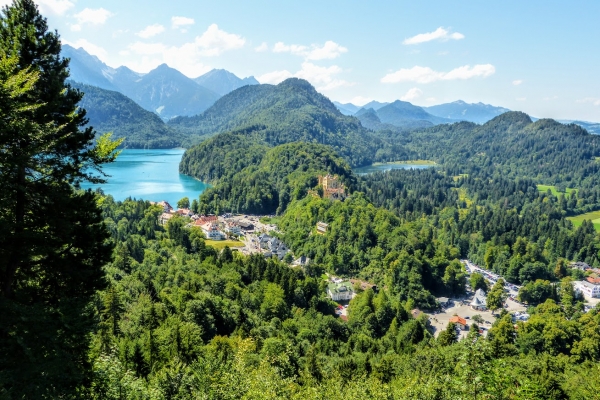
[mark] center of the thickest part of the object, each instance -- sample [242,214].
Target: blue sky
[541,57]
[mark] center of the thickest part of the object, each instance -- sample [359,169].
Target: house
[203,220]
[246,226]
[594,280]
[322,228]
[185,212]
[580,265]
[340,291]
[165,205]
[333,188]
[444,301]
[233,228]
[479,301]
[164,218]
[587,288]
[272,246]
[460,322]
[211,231]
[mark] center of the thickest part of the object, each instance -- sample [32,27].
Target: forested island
[104,299]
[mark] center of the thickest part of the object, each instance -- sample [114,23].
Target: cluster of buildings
[212,227]
[272,246]
[590,286]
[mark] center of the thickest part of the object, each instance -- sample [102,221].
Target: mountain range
[164,90]
[402,114]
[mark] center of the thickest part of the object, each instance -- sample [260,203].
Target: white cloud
[517,82]
[187,58]
[521,98]
[58,7]
[431,99]
[151,30]
[214,41]
[91,48]
[440,34]
[427,75]
[323,78]
[593,100]
[360,100]
[91,16]
[263,47]
[412,94]
[274,77]
[548,98]
[178,22]
[327,51]
[296,49]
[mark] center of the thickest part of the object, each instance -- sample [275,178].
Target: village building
[322,228]
[333,188]
[211,231]
[166,206]
[203,220]
[272,246]
[479,301]
[444,301]
[164,218]
[185,212]
[340,291]
[594,280]
[461,323]
[587,288]
[233,228]
[580,265]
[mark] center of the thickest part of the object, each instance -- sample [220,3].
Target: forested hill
[110,111]
[268,180]
[289,112]
[513,146]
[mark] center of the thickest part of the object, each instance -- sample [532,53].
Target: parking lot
[439,321]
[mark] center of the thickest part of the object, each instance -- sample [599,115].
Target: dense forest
[272,115]
[110,111]
[512,146]
[100,301]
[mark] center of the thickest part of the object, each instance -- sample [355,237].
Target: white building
[233,228]
[340,291]
[587,288]
[479,301]
[211,231]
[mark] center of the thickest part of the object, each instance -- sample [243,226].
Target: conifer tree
[52,242]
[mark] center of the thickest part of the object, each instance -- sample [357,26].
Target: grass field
[220,244]
[544,188]
[593,216]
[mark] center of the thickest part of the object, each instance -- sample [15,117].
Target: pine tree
[52,242]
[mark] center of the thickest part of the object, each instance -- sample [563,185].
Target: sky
[540,57]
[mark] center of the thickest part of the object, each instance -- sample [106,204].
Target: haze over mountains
[135,99]
[164,90]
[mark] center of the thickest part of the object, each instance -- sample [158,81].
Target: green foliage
[283,174]
[52,242]
[496,296]
[512,146]
[477,281]
[110,111]
[292,111]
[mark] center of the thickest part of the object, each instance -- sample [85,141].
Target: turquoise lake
[149,175]
[387,167]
